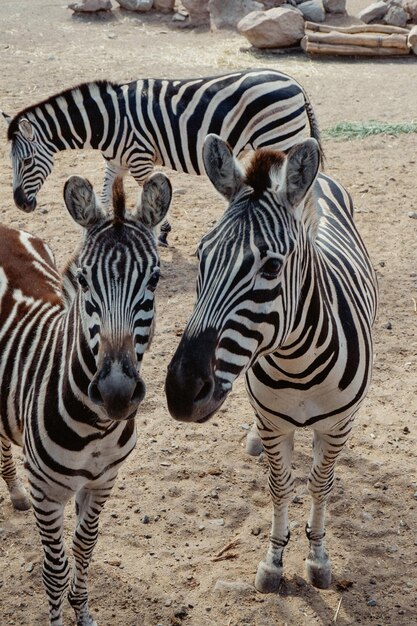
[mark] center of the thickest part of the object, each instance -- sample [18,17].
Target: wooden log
[356,28]
[346,50]
[372,40]
[412,39]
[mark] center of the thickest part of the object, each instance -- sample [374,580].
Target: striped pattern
[71,348]
[286,293]
[151,121]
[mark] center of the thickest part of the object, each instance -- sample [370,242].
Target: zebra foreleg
[16,490]
[49,516]
[326,448]
[88,505]
[278,448]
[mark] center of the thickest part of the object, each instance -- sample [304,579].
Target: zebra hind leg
[164,231]
[326,449]
[254,445]
[16,490]
[278,448]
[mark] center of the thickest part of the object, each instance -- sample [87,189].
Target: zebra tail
[314,128]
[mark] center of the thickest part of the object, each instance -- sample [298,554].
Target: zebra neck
[76,118]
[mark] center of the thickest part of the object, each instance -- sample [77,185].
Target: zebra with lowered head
[286,293]
[71,348]
[156,121]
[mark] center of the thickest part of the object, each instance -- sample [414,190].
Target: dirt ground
[194,484]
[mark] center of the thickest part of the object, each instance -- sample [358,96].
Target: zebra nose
[116,391]
[22,201]
[187,395]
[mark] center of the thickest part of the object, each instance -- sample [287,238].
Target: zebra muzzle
[22,201]
[117,389]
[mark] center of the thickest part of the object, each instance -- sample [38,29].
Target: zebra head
[116,275]
[250,272]
[32,162]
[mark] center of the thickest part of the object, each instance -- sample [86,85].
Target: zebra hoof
[163,240]
[319,574]
[268,578]
[254,445]
[18,496]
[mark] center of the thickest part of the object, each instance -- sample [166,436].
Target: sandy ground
[194,483]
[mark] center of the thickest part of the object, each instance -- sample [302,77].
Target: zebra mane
[258,176]
[119,201]
[258,172]
[102,85]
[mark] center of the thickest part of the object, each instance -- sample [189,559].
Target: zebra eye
[82,281]
[271,268]
[153,280]
[27,161]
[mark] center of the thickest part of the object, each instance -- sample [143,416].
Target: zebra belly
[289,406]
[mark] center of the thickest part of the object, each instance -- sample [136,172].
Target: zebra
[286,293]
[156,121]
[71,349]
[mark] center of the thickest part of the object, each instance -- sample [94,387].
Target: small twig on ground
[221,556]
[415,304]
[337,610]
[225,557]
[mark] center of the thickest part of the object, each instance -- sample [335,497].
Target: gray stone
[375,11]
[396,16]
[275,28]
[90,6]
[411,7]
[334,6]
[136,5]
[238,588]
[227,13]
[198,12]
[412,39]
[312,10]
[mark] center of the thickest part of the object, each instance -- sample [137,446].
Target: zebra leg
[89,504]
[49,515]
[16,490]
[254,445]
[326,448]
[278,448]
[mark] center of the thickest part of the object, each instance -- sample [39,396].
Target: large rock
[227,13]
[90,6]
[136,5]
[275,28]
[411,7]
[412,39]
[197,11]
[334,6]
[312,10]
[396,16]
[375,11]
[164,6]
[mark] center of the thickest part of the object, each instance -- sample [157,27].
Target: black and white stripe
[287,295]
[71,349]
[156,121]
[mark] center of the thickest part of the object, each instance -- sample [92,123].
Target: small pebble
[371,602]
[256,531]
[412,214]
[388,326]
[146,519]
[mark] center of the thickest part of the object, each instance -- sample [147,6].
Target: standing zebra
[286,293]
[71,348]
[151,121]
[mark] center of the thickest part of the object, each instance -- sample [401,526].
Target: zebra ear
[81,201]
[155,200]
[221,166]
[301,169]
[26,129]
[6,117]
